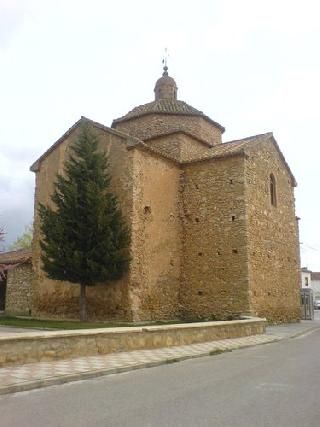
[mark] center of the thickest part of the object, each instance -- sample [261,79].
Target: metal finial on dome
[165,71]
[166,87]
[165,62]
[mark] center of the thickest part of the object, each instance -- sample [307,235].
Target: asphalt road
[270,385]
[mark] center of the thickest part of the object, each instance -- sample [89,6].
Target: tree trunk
[83,303]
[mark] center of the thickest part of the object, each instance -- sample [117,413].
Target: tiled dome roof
[165,106]
[166,102]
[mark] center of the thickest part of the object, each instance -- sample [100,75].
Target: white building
[311,280]
[305,277]
[315,284]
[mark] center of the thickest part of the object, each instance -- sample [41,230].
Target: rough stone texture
[61,299]
[165,88]
[179,146]
[19,289]
[156,238]
[201,232]
[166,102]
[273,254]
[214,280]
[152,125]
[206,242]
[46,346]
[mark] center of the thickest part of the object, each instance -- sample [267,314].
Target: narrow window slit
[147,210]
[273,190]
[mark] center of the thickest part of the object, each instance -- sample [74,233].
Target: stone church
[213,226]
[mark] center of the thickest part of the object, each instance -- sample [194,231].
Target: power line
[309,247]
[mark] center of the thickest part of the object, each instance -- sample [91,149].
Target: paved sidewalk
[34,375]
[291,330]
[10,330]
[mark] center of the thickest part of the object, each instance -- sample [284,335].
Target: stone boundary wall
[48,345]
[19,290]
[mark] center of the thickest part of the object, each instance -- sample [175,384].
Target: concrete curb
[63,379]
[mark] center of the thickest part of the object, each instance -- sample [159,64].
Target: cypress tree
[84,236]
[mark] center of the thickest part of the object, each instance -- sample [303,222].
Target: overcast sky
[251,65]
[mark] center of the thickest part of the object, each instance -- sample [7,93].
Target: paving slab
[35,375]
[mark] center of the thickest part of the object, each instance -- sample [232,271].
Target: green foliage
[85,239]
[25,240]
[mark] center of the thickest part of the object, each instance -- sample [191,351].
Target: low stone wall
[45,346]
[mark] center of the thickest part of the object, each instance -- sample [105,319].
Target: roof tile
[14,257]
[165,106]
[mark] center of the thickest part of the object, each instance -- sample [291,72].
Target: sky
[253,66]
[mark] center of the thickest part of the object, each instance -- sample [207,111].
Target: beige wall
[179,146]
[53,298]
[19,290]
[273,237]
[206,241]
[156,124]
[156,238]
[214,280]
[191,149]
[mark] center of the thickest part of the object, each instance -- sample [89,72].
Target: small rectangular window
[273,190]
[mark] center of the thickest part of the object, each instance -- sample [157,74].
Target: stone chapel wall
[214,273]
[150,125]
[156,238]
[179,146]
[55,298]
[273,238]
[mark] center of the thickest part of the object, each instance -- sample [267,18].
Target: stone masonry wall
[43,346]
[61,299]
[156,238]
[191,149]
[179,146]
[214,277]
[157,124]
[19,290]
[273,238]
[169,145]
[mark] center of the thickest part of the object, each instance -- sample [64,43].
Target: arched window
[273,190]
